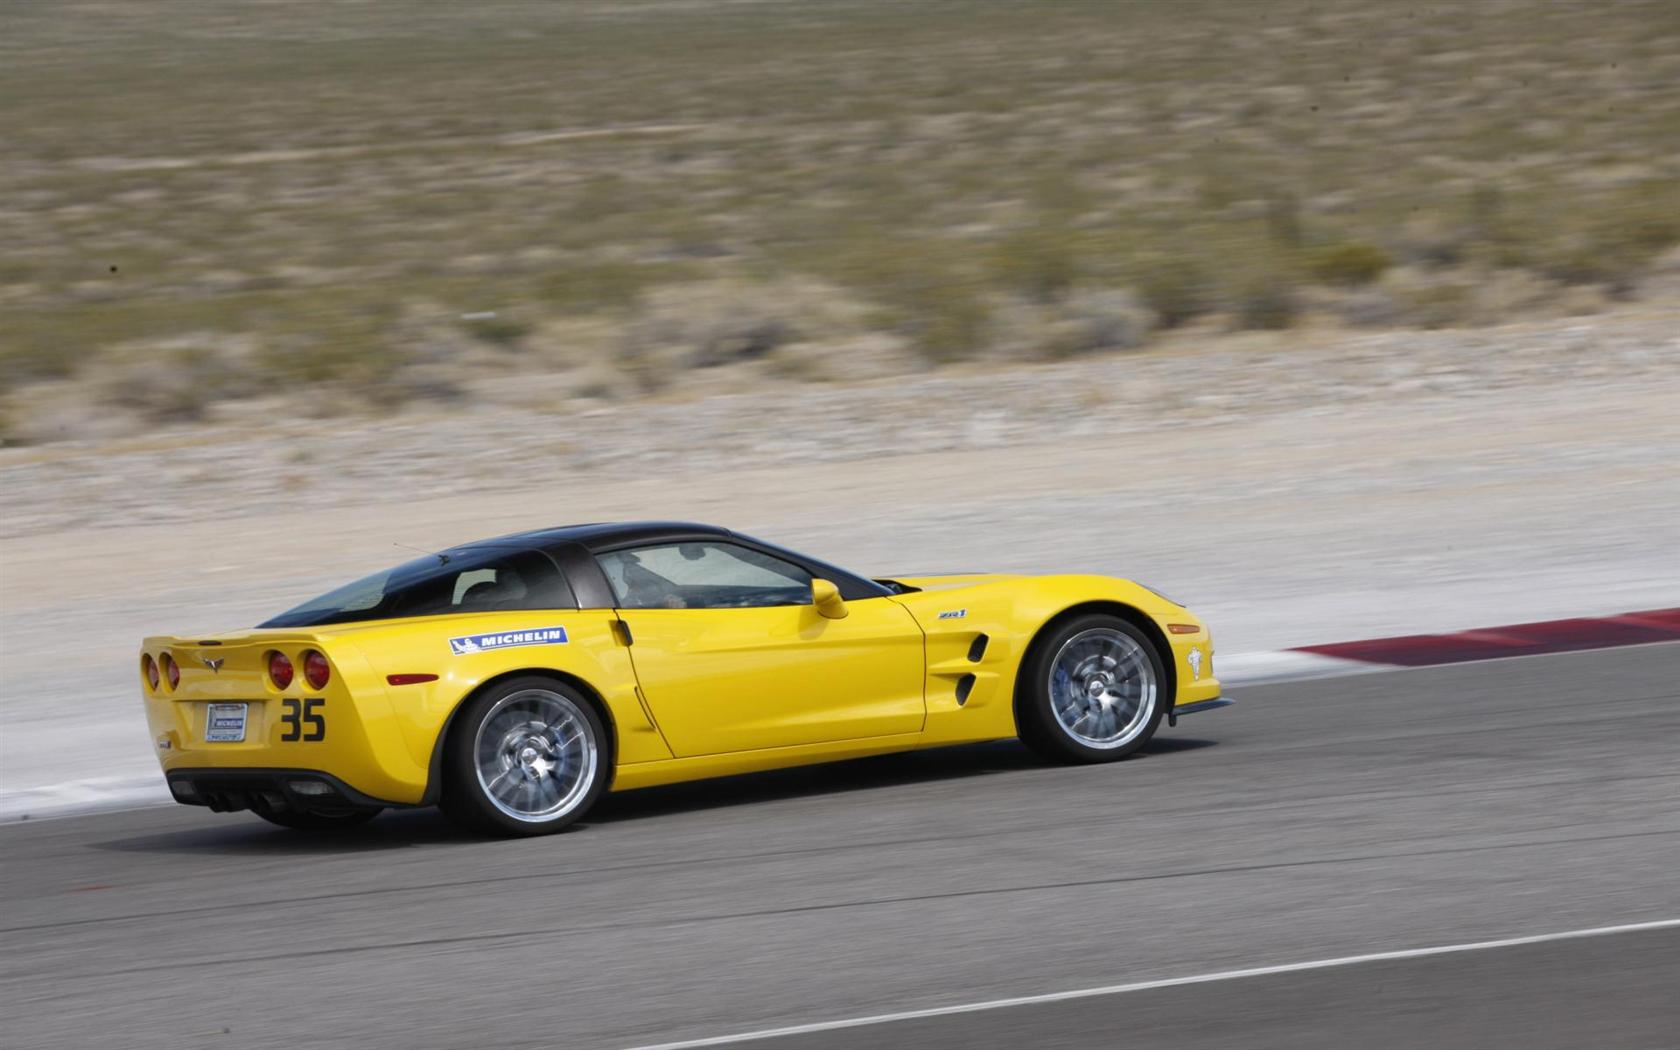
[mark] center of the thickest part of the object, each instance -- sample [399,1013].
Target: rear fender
[434,778]
[592,656]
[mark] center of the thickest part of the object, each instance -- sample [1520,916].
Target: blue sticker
[478,643]
[954,614]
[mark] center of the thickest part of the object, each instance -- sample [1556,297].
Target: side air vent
[978,649]
[965,685]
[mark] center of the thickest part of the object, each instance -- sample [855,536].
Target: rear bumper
[269,790]
[1200,705]
[355,737]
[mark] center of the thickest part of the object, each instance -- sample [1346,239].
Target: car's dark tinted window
[703,575]
[485,579]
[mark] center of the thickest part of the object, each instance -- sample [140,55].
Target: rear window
[486,579]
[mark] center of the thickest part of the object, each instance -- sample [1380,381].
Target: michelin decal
[478,643]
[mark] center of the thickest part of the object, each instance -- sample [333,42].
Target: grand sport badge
[478,643]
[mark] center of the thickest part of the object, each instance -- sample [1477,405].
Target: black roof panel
[598,535]
[612,535]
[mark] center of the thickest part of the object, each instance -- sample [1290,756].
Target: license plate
[224,723]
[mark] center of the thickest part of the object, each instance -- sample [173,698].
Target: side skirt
[700,767]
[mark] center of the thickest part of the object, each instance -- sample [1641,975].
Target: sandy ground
[1358,518]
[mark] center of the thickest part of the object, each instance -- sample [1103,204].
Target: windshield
[485,579]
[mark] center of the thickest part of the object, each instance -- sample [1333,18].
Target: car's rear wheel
[303,820]
[1092,690]
[526,757]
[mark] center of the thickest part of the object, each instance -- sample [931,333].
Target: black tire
[469,801]
[307,821]
[1035,714]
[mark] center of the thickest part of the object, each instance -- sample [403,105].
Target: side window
[466,581]
[500,581]
[705,575]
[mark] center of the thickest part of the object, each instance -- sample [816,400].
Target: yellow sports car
[513,680]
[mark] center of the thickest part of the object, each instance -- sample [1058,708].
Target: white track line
[1168,982]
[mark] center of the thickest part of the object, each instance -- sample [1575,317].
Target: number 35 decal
[302,719]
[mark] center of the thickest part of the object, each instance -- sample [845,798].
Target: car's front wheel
[526,757]
[1092,690]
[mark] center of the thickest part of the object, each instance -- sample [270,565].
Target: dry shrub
[1442,304]
[1433,299]
[1433,241]
[1349,264]
[1041,263]
[498,330]
[1177,288]
[1106,320]
[1368,308]
[704,324]
[1662,277]
[1269,303]
[929,292]
[177,381]
[1611,239]
[1088,321]
[873,355]
[380,358]
[605,285]
[948,322]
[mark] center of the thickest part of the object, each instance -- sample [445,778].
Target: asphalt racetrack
[1314,821]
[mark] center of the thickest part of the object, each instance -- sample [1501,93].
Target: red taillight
[150,668]
[409,679]
[279,670]
[171,670]
[316,671]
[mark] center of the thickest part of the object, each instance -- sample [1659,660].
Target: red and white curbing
[1433,650]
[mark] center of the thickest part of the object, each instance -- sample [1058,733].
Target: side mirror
[826,597]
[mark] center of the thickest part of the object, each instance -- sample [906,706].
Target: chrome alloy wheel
[1102,688]
[535,754]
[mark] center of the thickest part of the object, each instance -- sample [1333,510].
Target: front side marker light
[1183,628]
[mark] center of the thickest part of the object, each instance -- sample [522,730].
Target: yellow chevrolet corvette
[513,680]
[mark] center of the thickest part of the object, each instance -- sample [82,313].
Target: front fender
[1008,613]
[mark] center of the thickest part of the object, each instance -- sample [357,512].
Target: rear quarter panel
[592,654]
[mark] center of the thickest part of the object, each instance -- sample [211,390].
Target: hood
[952,581]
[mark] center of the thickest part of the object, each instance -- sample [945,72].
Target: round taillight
[279,670]
[315,669]
[149,666]
[171,670]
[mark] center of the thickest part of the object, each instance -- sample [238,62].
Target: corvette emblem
[214,665]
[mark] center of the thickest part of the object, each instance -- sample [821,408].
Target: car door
[732,655]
